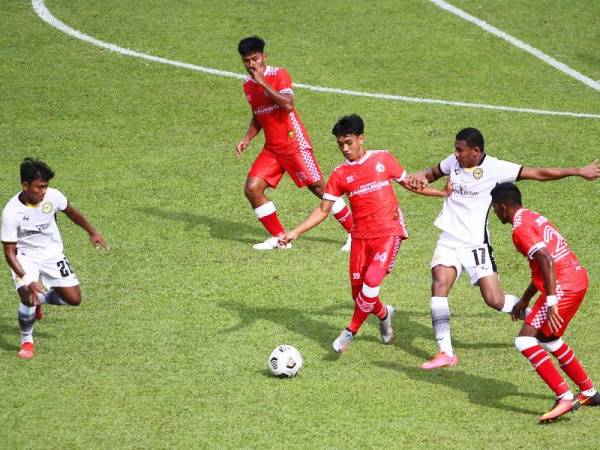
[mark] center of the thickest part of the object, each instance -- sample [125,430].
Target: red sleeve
[334,186]
[283,80]
[394,168]
[527,239]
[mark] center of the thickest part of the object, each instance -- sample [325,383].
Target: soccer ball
[285,361]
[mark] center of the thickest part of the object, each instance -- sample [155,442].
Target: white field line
[46,16]
[518,43]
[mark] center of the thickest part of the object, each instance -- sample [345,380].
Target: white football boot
[348,245]
[271,243]
[385,326]
[342,342]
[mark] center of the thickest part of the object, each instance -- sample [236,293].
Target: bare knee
[442,279]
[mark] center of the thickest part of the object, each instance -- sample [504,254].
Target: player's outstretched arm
[33,286]
[318,215]
[424,190]
[95,236]
[253,129]
[589,172]
[430,175]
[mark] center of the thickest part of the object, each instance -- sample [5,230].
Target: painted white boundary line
[46,16]
[518,43]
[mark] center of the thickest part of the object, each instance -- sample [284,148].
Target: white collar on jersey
[361,160]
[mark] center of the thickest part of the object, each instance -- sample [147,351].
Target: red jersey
[372,198]
[284,132]
[532,232]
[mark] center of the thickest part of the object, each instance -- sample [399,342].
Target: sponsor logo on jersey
[463,190]
[349,179]
[265,109]
[47,207]
[25,218]
[477,173]
[379,167]
[369,187]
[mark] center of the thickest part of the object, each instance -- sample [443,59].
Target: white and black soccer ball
[285,361]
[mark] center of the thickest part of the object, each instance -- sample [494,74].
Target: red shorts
[568,304]
[301,166]
[374,251]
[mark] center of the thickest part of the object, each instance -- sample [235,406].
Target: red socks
[572,367]
[267,214]
[546,369]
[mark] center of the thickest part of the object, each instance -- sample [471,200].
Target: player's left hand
[591,171]
[417,181]
[98,241]
[554,319]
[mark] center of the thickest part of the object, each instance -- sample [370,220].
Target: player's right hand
[287,238]
[518,309]
[417,181]
[34,289]
[591,171]
[242,145]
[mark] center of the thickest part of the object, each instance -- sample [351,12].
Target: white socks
[440,319]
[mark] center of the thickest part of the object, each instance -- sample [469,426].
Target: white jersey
[34,228]
[464,214]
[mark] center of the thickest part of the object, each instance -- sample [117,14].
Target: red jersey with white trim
[284,131]
[366,183]
[532,232]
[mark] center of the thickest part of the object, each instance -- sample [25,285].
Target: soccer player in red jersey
[562,282]
[379,227]
[287,145]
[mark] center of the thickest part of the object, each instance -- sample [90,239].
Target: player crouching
[562,282]
[33,248]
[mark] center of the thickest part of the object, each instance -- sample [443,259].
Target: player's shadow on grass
[488,392]
[225,229]
[9,335]
[409,331]
[297,321]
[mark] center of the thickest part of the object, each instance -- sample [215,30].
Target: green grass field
[169,347]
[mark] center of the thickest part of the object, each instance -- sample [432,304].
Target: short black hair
[352,124]
[252,44]
[472,136]
[35,169]
[507,193]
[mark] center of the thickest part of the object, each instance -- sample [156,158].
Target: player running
[464,243]
[379,227]
[33,248]
[287,145]
[562,283]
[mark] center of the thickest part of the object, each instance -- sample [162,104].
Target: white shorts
[477,261]
[54,271]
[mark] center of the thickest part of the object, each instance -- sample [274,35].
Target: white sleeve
[10,227]
[59,200]
[447,164]
[506,171]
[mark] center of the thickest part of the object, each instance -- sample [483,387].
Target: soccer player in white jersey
[464,243]
[33,247]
